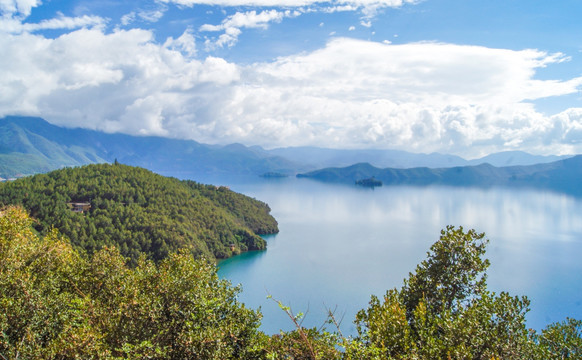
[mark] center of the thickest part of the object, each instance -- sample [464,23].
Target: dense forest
[140,212]
[56,303]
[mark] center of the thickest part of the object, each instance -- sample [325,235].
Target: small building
[79,207]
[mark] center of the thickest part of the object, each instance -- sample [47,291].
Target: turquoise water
[339,244]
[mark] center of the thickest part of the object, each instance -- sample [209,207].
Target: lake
[339,244]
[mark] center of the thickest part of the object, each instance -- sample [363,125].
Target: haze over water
[339,244]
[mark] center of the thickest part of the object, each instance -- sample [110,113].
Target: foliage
[140,212]
[55,303]
[303,343]
[445,311]
[562,340]
[452,275]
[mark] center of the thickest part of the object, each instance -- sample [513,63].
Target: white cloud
[60,22]
[147,15]
[290,3]
[250,19]
[351,28]
[113,82]
[128,18]
[339,8]
[351,93]
[18,7]
[367,24]
[186,44]
[368,7]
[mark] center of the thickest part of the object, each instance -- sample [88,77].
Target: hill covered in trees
[140,212]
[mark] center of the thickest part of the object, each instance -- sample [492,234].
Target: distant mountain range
[30,145]
[563,175]
[318,158]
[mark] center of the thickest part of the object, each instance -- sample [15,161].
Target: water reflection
[339,244]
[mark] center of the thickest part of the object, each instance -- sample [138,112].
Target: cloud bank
[422,97]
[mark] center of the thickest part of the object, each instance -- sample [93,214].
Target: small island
[272,174]
[370,182]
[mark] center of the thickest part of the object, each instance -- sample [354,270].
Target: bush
[55,303]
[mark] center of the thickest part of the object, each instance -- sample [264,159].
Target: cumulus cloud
[186,43]
[18,7]
[351,93]
[425,96]
[121,81]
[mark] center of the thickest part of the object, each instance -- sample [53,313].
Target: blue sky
[454,76]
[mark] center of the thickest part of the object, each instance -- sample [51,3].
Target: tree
[452,274]
[57,304]
[561,340]
[445,311]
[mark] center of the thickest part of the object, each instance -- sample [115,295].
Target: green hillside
[141,212]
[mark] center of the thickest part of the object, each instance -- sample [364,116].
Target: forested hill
[141,212]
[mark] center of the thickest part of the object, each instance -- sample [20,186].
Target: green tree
[452,274]
[561,340]
[445,311]
[57,304]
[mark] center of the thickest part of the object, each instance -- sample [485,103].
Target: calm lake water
[339,244]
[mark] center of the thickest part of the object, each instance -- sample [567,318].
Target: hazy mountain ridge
[562,175]
[38,146]
[31,145]
[323,158]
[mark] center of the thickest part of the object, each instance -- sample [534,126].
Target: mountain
[562,175]
[32,145]
[318,158]
[515,158]
[140,212]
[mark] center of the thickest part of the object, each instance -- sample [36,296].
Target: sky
[462,77]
